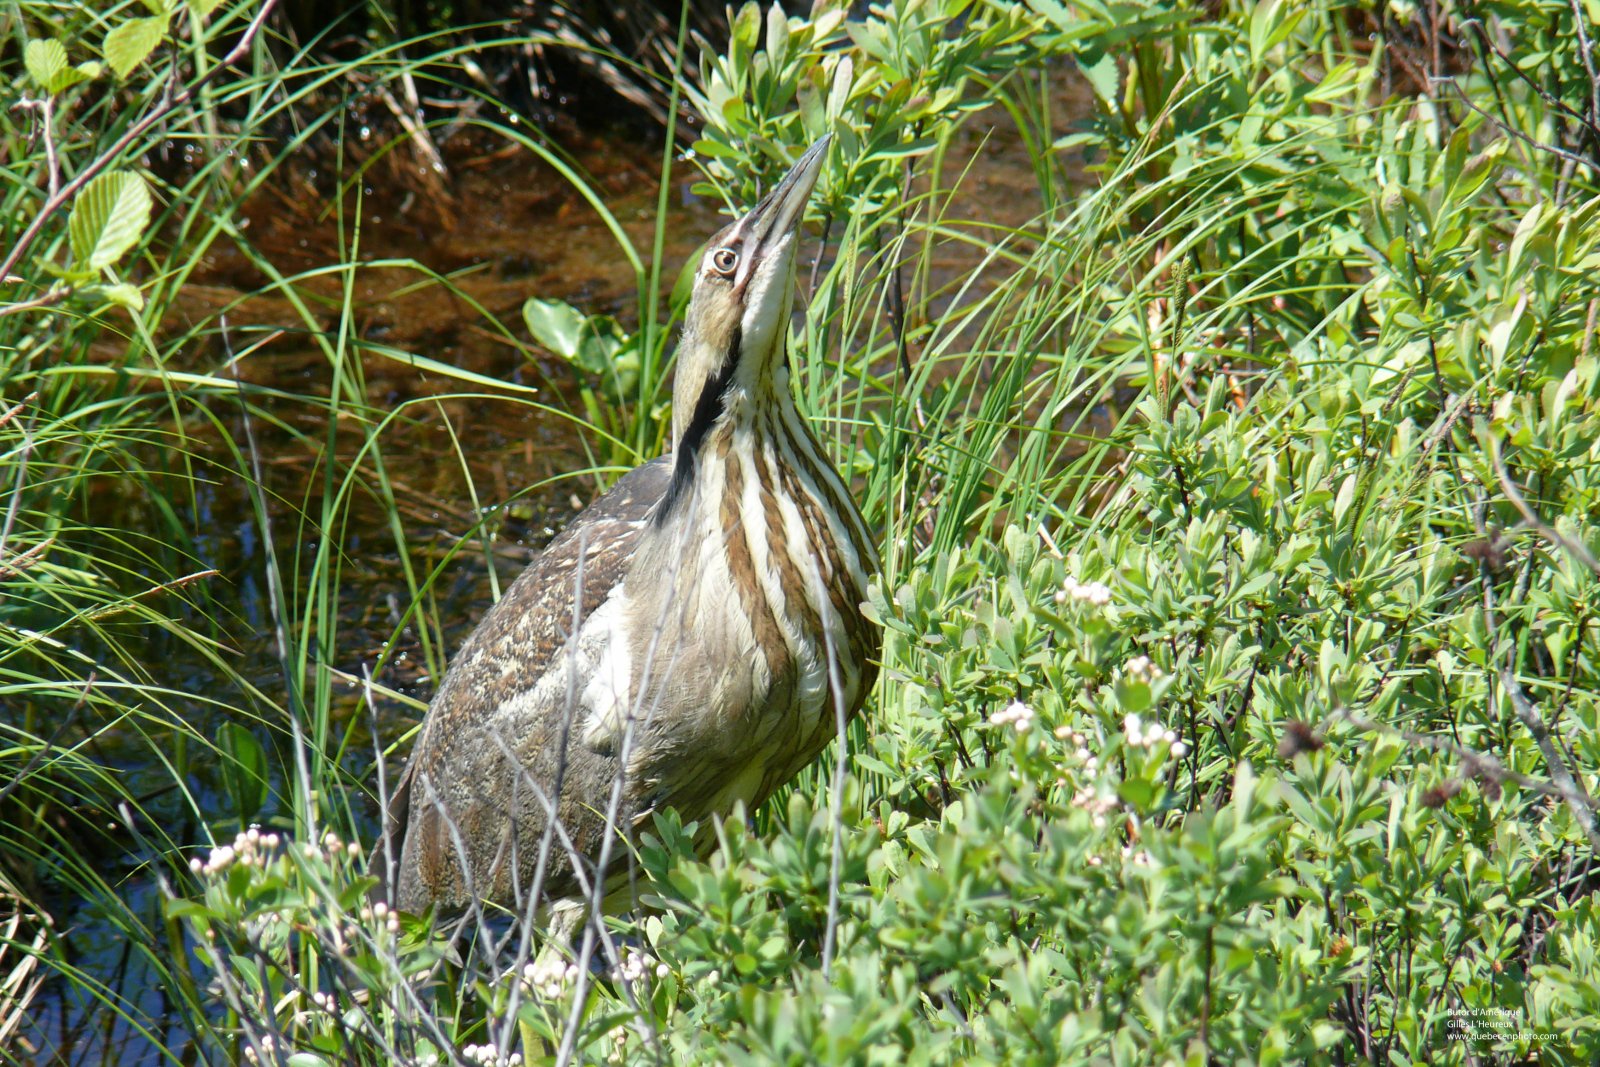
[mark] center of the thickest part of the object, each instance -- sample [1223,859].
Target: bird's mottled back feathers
[531,623]
[461,760]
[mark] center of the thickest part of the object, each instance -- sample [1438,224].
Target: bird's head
[737,320]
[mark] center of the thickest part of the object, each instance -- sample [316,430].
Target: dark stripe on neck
[708,407]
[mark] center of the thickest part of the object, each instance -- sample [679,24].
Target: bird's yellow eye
[724,260]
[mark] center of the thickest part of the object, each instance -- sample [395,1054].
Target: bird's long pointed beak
[778,214]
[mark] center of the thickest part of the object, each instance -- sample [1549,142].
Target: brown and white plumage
[689,641]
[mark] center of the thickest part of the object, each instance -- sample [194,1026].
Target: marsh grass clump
[1220,379]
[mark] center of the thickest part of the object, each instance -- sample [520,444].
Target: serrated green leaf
[107,218]
[131,43]
[53,76]
[45,61]
[1103,74]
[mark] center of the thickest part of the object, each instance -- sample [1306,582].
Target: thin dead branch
[1531,517]
[1485,767]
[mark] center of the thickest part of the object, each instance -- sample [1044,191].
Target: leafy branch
[174,100]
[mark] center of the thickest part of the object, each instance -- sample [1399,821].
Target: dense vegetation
[1237,488]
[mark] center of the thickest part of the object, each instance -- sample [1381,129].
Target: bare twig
[432,173]
[1544,94]
[1518,134]
[1482,765]
[388,857]
[1587,52]
[1531,517]
[46,106]
[52,296]
[1564,786]
[1050,542]
[1568,788]
[52,162]
[14,504]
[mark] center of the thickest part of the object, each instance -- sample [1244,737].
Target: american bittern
[692,640]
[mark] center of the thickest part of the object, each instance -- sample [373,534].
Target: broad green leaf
[131,43]
[839,93]
[123,295]
[1345,497]
[45,61]
[1524,232]
[204,8]
[555,325]
[747,24]
[47,64]
[777,35]
[1133,696]
[244,769]
[107,218]
[1139,792]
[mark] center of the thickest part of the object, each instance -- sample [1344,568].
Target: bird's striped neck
[756,500]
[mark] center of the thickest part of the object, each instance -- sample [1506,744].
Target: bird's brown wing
[471,807]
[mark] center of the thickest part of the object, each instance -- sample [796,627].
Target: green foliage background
[1240,698]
